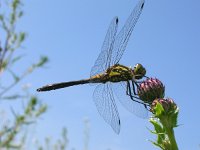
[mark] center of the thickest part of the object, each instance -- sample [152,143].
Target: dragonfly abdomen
[62,85]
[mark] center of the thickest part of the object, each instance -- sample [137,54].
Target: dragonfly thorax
[119,73]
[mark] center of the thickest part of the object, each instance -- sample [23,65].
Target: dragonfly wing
[125,33]
[105,103]
[103,60]
[137,108]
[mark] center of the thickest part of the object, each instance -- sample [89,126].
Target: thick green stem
[170,133]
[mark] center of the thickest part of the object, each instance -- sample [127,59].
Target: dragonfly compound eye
[139,71]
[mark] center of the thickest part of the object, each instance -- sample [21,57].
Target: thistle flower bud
[167,112]
[168,105]
[151,89]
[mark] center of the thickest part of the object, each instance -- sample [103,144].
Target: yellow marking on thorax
[113,73]
[119,73]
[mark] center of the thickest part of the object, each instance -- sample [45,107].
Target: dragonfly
[112,79]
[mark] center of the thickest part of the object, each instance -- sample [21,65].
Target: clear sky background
[166,40]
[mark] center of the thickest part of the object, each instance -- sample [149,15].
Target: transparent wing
[105,103]
[137,108]
[103,60]
[124,34]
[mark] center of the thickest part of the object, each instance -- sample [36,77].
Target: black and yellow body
[107,70]
[116,73]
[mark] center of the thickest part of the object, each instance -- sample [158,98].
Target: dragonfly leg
[129,92]
[128,89]
[133,98]
[133,84]
[147,107]
[127,86]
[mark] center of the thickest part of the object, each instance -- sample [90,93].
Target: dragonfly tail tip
[39,90]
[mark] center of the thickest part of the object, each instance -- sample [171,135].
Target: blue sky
[165,40]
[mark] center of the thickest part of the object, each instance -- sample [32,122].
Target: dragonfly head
[139,71]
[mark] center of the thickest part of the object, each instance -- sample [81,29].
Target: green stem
[170,133]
